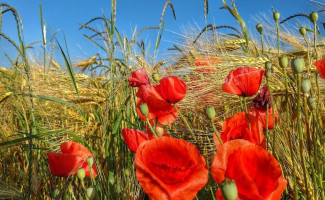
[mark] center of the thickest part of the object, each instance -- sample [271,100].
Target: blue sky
[66,14]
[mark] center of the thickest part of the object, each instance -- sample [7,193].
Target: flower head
[206,61]
[262,99]
[172,89]
[237,127]
[169,168]
[139,77]
[255,171]
[320,64]
[244,81]
[72,157]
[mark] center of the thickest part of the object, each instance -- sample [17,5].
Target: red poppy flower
[172,89]
[320,64]
[133,138]
[139,77]
[244,81]
[206,61]
[169,168]
[159,109]
[73,157]
[255,171]
[237,127]
[261,115]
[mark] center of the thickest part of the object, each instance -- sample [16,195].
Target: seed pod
[305,85]
[155,77]
[259,28]
[81,173]
[229,189]
[313,17]
[302,31]
[283,61]
[91,193]
[144,109]
[159,131]
[276,16]
[298,65]
[268,65]
[90,161]
[312,102]
[210,112]
[268,73]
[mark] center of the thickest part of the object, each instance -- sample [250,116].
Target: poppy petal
[133,138]
[172,89]
[74,148]
[169,168]
[64,164]
[139,77]
[320,64]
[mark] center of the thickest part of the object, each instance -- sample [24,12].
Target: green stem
[273,117]
[84,188]
[216,132]
[300,134]
[289,136]
[267,126]
[246,111]
[150,127]
[278,38]
[186,123]
[262,42]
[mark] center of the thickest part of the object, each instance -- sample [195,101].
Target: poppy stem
[84,188]
[273,116]
[185,121]
[300,135]
[246,111]
[277,36]
[288,134]
[150,127]
[267,126]
[216,132]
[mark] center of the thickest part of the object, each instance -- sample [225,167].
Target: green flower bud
[312,102]
[210,112]
[298,65]
[305,85]
[81,173]
[229,189]
[155,77]
[144,109]
[276,16]
[302,31]
[283,61]
[91,193]
[259,28]
[313,17]
[268,65]
[268,73]
[54,193]
[90,161]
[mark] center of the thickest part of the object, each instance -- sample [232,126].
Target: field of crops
[225,116]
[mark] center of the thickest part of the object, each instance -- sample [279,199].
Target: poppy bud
[305,85]
[91,193]
[90,161]
[298,65]
[159,131]
[54,193]
[259,28]
[268,73]
[276,16]
[312,102]
[155,77]
[302,31]
[313,17]
[144,109]
[210,112]
[283,61]
[81,173]
[268,65]
[229,189]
